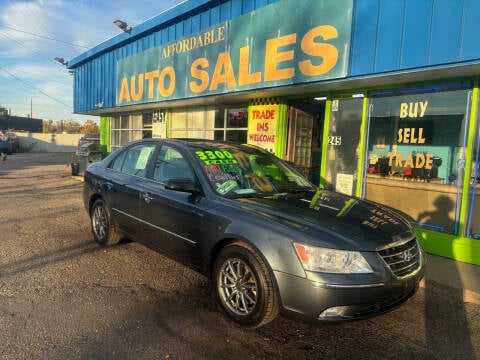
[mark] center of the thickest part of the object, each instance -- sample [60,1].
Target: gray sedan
[271,242]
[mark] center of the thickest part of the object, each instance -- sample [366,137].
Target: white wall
[39,142]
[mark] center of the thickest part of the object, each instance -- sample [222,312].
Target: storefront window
[126,128]
[218,124]
[147,125]
[192,124]
[236,118]
[196,120]
[178,124]
[343,142]
[416,149]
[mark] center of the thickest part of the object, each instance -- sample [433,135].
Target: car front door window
[171,164]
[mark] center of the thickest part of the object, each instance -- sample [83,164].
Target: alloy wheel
[238,287]
[100,222]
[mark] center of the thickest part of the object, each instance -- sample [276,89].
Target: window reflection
[416,150]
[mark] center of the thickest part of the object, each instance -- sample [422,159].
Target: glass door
[300,140]
[343,145]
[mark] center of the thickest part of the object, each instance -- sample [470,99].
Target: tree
[69,127]
[89,127]
[48,127]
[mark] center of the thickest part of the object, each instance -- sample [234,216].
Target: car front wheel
[103,228]
[244,286]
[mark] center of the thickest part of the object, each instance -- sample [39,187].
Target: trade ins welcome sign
[286,43]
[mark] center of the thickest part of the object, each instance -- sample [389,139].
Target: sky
[34,32]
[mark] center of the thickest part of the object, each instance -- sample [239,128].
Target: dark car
[269,239]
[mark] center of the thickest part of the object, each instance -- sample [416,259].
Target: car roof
[189,141]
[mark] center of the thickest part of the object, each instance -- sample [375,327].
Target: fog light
[333,312]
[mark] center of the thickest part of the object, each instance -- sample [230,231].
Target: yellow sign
[262,126]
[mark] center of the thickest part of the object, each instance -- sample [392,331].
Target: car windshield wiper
[284,193]
[296,190]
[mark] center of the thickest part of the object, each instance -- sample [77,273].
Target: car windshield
[248,171]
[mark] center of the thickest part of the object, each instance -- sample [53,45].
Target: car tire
[244,286]
[103,227]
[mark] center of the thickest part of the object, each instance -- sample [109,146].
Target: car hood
[335,220]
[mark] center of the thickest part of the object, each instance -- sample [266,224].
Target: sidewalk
[454,274]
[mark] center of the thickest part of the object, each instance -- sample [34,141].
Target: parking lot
[64,297]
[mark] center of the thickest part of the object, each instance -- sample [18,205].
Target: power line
[24,46]
[33,87]
[32,21]
[44,37]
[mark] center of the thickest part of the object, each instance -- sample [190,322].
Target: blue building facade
[373,98]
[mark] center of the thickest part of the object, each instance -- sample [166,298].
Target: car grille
[402,259]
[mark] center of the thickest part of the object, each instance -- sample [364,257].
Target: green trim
[362,149]
[167,124]
[451,246]
[281,136]
[105,134]
[326,127]
[468,162]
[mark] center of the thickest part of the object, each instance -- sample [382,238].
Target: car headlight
[331,260]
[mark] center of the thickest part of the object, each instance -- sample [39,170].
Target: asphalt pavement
[64,297]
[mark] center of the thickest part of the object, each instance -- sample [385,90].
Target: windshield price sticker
[216,157]
[227,186]
[222,173]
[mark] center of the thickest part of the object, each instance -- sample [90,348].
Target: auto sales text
[205,75]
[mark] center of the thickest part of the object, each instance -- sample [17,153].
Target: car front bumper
[309,301]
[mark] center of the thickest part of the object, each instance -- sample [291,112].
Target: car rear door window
[117,163]
[134,161]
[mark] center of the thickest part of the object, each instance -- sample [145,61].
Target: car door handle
[147,197]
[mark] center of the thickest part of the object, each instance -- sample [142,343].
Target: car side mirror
[182,184]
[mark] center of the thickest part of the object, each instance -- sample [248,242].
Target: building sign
[413,129]
[262,126]
[253,51]
[159,125]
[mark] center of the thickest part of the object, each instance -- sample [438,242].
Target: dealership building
[377,99]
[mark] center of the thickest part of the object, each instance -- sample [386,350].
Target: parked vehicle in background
[91,138]
[89,147]
[269,239]
[13,143]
